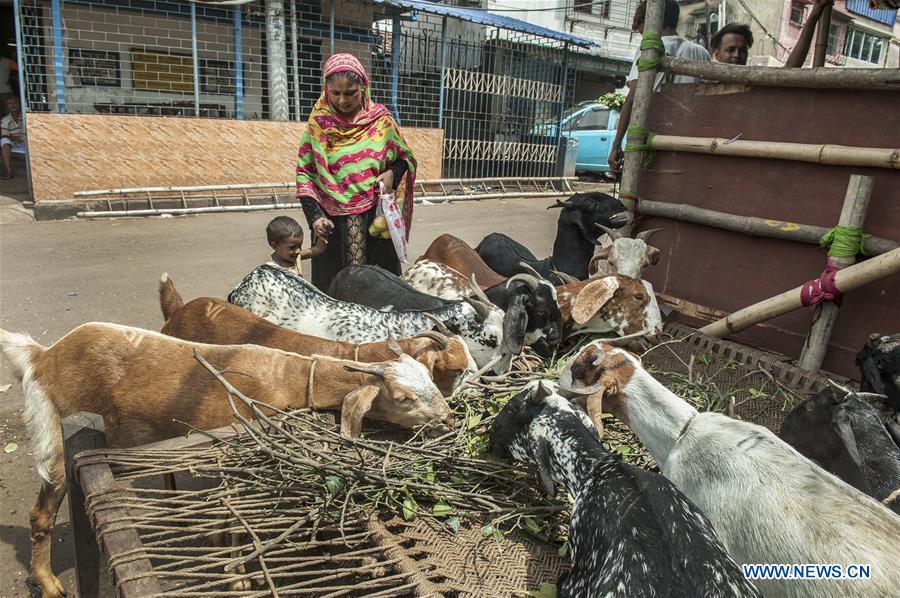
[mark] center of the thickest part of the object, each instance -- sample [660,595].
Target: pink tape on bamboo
[822,288]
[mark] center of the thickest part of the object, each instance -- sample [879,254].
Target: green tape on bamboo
[651,41]
[844,241]
[649,152]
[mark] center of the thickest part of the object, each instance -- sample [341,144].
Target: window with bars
[596,8]
[863,45]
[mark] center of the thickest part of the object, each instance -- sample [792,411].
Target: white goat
[768,503]
[624,255]
[148,387]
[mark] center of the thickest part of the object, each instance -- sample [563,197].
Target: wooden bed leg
[81,432]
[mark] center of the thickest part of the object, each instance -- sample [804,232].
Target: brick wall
[82,152]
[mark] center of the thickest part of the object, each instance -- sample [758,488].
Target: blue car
[594,125]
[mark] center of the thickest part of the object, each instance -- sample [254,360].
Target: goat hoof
[50,586]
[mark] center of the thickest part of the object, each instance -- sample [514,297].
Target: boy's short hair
[737,28]
[281,228]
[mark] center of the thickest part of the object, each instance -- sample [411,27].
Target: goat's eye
[639,296]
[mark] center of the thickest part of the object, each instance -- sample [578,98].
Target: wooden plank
[81,432]
[97,478]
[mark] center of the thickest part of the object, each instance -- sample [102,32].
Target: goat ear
[594,408]
[653,254]
[592,298]
[872,374]
[515,321]
[356,405]
[545,469]
[841,425]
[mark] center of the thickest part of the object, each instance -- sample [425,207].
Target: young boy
[286,238]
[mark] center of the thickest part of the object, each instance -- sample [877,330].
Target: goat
[438,280]
[624,255]
[632,533]
[383,290]
[544,325]
[457,254]
[217,322]
[145,384]
[576,235]
[767,502]
[288,300]
[847,437]
[616,303]
[879,365]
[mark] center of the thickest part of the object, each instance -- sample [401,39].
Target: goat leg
[43,517]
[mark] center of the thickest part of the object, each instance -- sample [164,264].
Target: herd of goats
[392,348]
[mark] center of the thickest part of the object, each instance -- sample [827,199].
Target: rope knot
[822,288]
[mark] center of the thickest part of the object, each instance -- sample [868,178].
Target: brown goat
[217,322]
[148,387]
[457,254]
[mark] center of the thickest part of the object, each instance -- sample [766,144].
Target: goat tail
[40,414]
[169,299]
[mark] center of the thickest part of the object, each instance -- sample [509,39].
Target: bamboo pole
[767,76]
[847,279]
[640,107]
[853,213]
[835,155]
[822,32]
[752,226]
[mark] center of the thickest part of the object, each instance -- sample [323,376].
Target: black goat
[879,365]
[379,289]
[537,296]
[632,533]
[577,230]
[849,438]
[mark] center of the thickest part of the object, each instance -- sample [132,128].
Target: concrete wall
[73,152]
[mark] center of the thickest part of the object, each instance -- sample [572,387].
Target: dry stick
[640,108]
[820,78]
[818,153]
[257,544]
[845,280]
[752,226]
[853,214]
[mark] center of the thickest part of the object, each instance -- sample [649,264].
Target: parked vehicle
[594,125]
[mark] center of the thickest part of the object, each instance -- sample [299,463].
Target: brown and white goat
[619,304]
[148,387]
[624,255]
[217,322]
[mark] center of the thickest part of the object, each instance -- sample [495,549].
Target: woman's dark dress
[350,241]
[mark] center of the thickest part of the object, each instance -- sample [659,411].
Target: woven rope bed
[294,510]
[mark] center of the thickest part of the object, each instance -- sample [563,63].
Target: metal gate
[500,113]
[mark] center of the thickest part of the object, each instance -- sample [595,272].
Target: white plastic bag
[387,207]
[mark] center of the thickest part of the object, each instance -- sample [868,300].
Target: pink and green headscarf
[339,160]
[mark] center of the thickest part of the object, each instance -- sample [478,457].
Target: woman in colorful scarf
[351,146]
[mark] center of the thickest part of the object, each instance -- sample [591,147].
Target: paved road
[57,275]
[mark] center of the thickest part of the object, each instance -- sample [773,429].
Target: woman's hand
[323,227]
[387,178]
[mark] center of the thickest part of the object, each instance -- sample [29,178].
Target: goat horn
[566,278]
[645,235]
[613,233]
[870,395]
[528,279]
[530,270]
[374,370]
[482,309]
[438,324]
[479,293]
[437,337]
[559,204]
[394,346]
[843,389]
[621,340]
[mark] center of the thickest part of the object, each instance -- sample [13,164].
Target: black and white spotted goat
[633,534]
[288,300]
